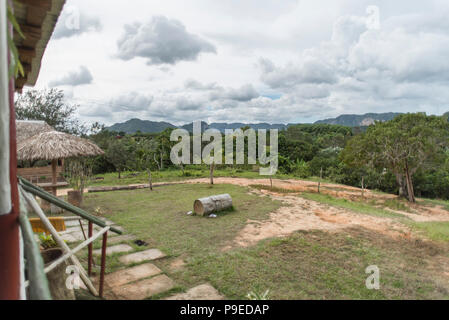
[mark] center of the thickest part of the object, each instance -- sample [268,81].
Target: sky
[275,61]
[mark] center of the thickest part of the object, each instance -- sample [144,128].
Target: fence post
[103,263]
[89,251]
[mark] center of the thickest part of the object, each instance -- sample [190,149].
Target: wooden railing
[27,190]
[40,174]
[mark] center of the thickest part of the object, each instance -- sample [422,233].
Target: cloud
[242,94]
[73,22]
[74,78]
[310,70]
[196,85]
[161,41]
[132,101]
[360,68]
[127,104]
[315,63]
[220,93]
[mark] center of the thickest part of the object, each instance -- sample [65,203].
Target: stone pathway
[128,275]
[147,255]
[201,292]
[139,281]
[143,289]
[115,249]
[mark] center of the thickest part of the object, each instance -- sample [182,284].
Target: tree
[403,145]
[144,157]
[49,106]
[163,147]
[117,154]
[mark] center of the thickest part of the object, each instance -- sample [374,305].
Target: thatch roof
[55,145]
[25,129]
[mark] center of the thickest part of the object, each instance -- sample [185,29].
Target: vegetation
[303,265]
[403,145]
[156,217]
[78,172]
[49,106]
[47,241]
[407,155]
[16,67]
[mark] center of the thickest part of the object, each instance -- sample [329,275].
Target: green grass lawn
[435,230]
[433,202]
[320,265]
[159,216]
[356,206]
[315,265]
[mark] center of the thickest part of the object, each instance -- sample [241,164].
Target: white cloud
[73,22]
[272,61]
[161,41]
[74,78]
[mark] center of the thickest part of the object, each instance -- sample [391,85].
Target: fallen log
[205,206]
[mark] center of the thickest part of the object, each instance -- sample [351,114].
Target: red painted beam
[103,263]
[9,224]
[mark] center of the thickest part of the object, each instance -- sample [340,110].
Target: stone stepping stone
[73,236]
[143,288]
[147,255]
[123,237]
[201,292]
[78,229]
[73,223]
[128,275]
[115,249]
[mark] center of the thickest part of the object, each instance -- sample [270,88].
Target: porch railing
[37,282]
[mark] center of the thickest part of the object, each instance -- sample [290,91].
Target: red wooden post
[103,263]
[9,223]
[89,248]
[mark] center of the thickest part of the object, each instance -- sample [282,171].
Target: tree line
[408,155]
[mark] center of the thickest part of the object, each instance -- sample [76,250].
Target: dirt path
[337,190]
[302,214]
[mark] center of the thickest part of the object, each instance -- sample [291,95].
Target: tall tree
[402,145]
[118,155]
[51,107]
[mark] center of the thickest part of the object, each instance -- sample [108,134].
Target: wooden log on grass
[205,206]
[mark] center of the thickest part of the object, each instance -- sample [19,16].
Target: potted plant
[57,277]
[78,172]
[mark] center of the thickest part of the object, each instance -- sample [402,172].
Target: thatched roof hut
[53,145]
[25,129]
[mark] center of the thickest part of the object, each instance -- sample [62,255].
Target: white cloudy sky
[276,61]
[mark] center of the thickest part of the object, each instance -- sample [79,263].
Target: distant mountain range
[147,126]
[355,120]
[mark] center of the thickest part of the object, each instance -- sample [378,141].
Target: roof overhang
[37,20]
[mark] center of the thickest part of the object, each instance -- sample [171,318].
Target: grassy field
[356,206]
[304,265]
[437,231]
